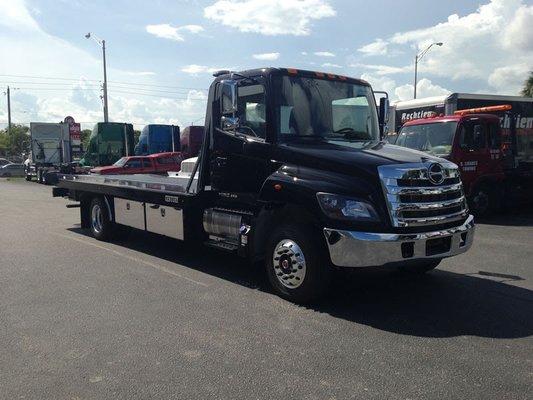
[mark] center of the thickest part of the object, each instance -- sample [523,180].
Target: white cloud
[194,69]
[175,33]
[478,46]
[324,54]
[269,17]
[15,15]
[34,52]
[266,56]
[377,48]
[140,73]
[383,69]
[509,79]
[424,87]
[303,53]
[331,65]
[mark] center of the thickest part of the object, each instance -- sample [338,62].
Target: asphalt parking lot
[146,318]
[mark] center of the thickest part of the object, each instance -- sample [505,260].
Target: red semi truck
[492,147]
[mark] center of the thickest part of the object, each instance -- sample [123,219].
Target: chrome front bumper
[365,249]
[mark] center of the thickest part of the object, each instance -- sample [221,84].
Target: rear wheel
[28,177]
[100,225]
[296,265]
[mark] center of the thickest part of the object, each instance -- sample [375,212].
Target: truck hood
[349,160]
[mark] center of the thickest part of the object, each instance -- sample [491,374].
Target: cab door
[241,153]
[478,152]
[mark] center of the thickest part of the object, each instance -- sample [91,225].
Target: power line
[91,86]
[98,80]
[114,91]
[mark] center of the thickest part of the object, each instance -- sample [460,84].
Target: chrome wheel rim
[289,263]
[96,218]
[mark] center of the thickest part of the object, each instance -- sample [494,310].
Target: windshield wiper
[297,137]
[352,134]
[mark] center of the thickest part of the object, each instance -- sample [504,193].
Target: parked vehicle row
[12,170]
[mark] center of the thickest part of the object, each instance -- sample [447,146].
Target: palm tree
[527,90]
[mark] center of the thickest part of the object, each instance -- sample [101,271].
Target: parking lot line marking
[138,260]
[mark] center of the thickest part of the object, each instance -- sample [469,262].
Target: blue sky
[161,53]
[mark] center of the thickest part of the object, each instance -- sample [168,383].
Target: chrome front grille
[416,198]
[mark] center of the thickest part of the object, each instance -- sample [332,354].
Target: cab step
[229,247]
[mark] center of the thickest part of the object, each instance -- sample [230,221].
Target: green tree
[15,142]
[4,143]
[527,90]
[85,135]
[136,134]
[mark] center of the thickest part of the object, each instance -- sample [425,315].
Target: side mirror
[384,110]
[383,114]
[229,97]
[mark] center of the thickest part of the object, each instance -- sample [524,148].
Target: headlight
[343,208]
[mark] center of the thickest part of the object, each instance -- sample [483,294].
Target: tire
[422,268]
[296,264]
[28,178]
[484,201]
[44,178]
[99,224]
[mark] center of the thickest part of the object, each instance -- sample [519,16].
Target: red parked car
[159,163]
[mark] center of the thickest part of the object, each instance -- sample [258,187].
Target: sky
[161,54]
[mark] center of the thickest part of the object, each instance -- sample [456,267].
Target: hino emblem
[436,173]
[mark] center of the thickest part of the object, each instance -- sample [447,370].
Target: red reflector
[332,76]
[342,78]
[319,74]
[292,71]
[277,187]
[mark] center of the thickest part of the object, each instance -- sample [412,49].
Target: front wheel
[296,265]
[484,201]
[100,224]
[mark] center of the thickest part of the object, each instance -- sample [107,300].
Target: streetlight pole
[102,43]
[8,111]
[418,57]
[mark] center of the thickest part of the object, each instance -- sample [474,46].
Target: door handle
[154,206]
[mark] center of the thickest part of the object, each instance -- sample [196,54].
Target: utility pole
[101,42]
[8,111]
[106,114]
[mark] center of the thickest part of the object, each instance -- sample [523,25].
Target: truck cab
[475,141]
[293,174]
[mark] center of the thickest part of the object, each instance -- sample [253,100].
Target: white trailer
[50,149]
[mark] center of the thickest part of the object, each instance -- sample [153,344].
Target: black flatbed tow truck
[293,173]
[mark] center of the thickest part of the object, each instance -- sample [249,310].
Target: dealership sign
[74,129]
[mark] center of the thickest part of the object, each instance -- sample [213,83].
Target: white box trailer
[50,149]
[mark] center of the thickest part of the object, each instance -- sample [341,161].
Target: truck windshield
[339,112]
[435,138]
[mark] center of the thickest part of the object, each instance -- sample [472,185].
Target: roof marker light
[503,107]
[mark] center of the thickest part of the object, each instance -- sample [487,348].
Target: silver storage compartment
[164,220]
[129,213]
